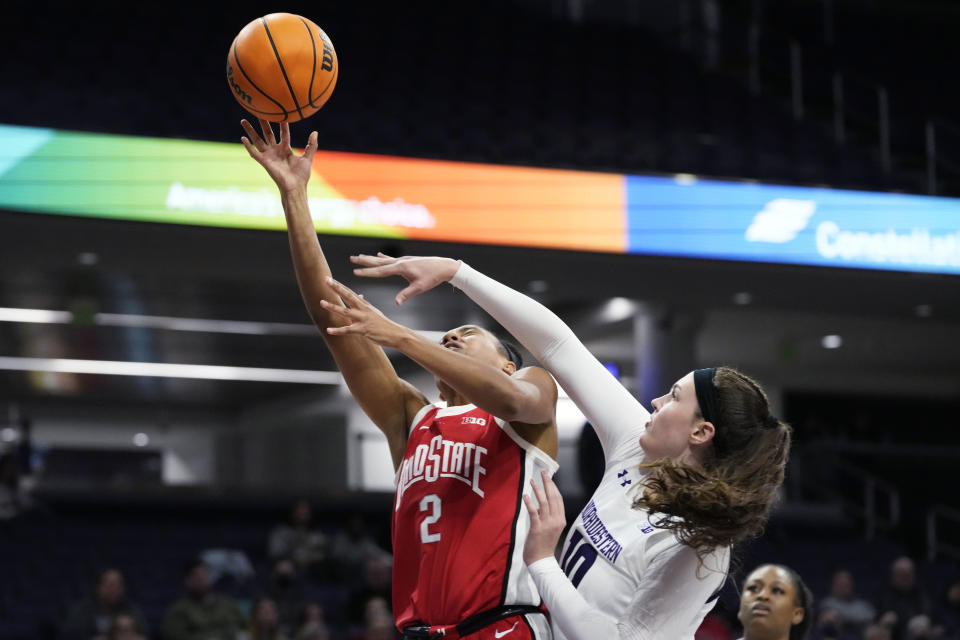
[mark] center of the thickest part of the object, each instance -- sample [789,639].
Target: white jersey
[636,573]
[618,576]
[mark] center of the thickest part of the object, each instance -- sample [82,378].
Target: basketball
[282,67]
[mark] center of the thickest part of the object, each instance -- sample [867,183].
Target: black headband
[706,393]
[513,355]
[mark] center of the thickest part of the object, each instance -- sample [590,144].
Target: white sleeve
[670,600]
[616,415]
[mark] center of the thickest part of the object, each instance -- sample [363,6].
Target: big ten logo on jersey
[474,420]
[443,459]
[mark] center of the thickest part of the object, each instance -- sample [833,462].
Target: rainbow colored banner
[218,184]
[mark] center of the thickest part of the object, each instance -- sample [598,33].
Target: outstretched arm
[529,396]
[390,402]
[614,413]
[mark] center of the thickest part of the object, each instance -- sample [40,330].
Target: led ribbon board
[216,184]
[793,225]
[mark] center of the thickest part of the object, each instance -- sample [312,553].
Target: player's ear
[509,368]
[703,433]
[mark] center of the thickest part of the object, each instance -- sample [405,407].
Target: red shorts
[530,626]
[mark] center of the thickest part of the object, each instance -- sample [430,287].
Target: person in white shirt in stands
[648,555]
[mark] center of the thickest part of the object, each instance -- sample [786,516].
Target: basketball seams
[236,59]
[282,70]
[313,70]
[333,77]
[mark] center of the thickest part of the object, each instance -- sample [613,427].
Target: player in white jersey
[649,553]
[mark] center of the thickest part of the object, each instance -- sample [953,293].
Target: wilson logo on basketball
[327,63]
[241,94]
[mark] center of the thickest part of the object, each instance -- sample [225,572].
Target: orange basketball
[282,67]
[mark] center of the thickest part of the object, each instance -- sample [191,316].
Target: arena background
[142,472]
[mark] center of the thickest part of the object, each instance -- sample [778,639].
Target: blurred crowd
[302,562]
[901,609]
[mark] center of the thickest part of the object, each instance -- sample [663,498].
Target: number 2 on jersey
[578,550]
[431,502]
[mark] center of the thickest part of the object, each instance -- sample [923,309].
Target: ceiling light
[742,298]
[141,439]
[43,316]
[831,342]
[924,310]
[10,314]
[204,325]
[167,370]
[616,309]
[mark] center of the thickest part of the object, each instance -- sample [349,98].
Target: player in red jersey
[459,523]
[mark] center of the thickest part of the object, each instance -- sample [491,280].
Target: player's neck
[456,400]
[450,395]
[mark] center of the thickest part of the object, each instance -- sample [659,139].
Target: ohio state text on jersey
[459,522]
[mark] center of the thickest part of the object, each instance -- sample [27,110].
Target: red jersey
[459,522]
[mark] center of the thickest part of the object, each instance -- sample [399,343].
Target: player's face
[471,340]
[768,606]
[674,419]
[475,342]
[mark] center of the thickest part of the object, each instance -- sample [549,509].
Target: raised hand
[289,170]
[421,273]
[546,520]
[362,318]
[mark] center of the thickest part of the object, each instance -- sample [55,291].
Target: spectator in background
[125,627]
[377,580]
[876,632]
[93,617]
[902,599]
[828,626]
[201,614]
[919,628]
[851,614]
[376,615]
[306,546]
[775,605]
[313,624]
[13,497]
[287,591]
[264,621]
[352,547]
[950,612]
[380,627]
